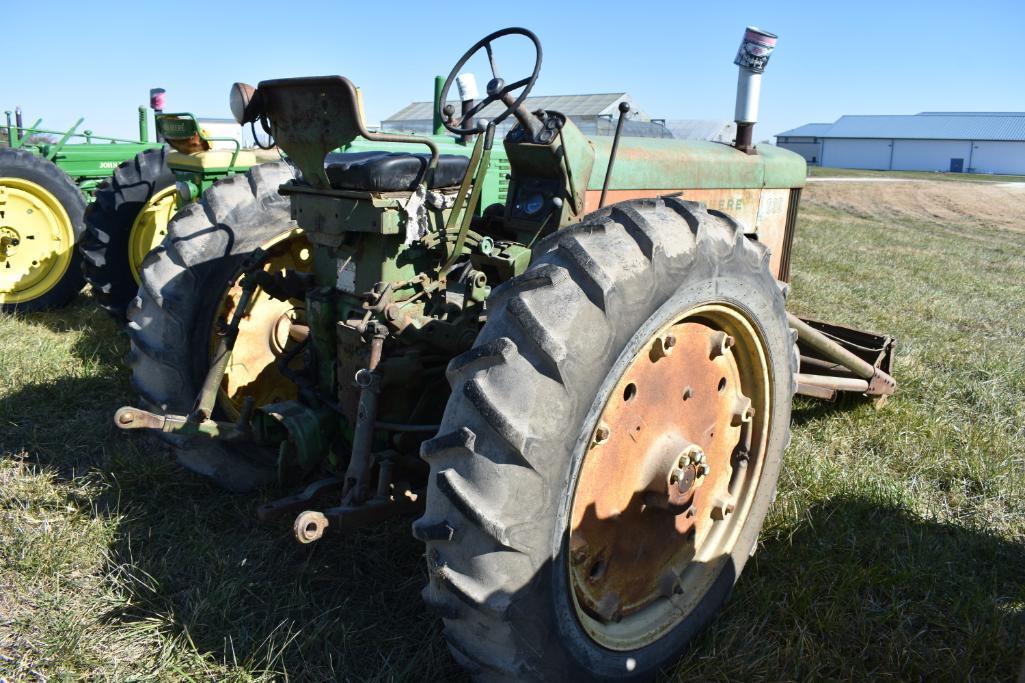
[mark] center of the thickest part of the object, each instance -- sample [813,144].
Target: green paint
[656,163]
[87,159]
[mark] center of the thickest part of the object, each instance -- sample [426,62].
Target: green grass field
[821,172]
[895,550]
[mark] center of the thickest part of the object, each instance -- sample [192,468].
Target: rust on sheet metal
[657,473]
[762,212]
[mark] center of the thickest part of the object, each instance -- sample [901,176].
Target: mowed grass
[827,172]
[895,549]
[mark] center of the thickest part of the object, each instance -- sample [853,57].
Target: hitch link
[198,422]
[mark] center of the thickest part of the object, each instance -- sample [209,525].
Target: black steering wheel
[497,87]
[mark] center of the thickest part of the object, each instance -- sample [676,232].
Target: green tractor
[584,392]
[131,213]
[46,179]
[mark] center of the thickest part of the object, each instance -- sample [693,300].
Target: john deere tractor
[584,393]
[46,179]
[132,209]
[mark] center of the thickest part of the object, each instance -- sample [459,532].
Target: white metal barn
[958,142]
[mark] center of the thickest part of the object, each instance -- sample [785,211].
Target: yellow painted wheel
[150,227]
[269,329]
[37,241]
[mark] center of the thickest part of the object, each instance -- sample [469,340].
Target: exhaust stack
[752,57]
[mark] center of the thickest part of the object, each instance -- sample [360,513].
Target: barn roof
[809,130]
[701,129]
[571,105]
[924,126]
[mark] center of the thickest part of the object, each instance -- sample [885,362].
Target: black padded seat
[390,171]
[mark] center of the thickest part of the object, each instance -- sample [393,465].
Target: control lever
[624,107]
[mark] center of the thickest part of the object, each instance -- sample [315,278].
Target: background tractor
[585,392]
[131,212]
[46,179]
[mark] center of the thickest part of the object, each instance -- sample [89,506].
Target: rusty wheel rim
[669,476]
[269,329]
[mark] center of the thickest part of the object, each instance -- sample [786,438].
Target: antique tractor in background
[585,390]
[131,212]
[46,179]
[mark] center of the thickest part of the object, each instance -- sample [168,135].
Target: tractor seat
[391,171]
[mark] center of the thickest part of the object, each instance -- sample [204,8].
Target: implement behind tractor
[585,390]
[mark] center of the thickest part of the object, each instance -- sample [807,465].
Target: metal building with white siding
[957,142]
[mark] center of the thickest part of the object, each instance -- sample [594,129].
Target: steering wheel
[497,87]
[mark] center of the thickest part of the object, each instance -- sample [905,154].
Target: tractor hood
[660,163]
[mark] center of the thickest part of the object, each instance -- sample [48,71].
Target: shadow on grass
[808,410]
[863,589]
[855,588]
[194,560]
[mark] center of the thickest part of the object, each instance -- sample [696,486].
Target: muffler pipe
[752,57]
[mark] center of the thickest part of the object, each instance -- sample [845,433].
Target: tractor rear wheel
[40,222]
[128,218]
[610,448]
[189,288]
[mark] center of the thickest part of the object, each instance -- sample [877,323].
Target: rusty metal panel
[783,273]
[771,225]
[763,213]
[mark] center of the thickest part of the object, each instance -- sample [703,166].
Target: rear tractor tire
[40,222]
[128,218]
[190,286]
[610,448]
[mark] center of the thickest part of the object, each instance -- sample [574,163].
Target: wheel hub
[268,330]
[657,477]
[9,241]
[686,475]
[34,255]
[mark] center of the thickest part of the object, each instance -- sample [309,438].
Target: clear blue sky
[98,60]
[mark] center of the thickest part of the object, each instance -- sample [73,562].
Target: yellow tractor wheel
[269,333]
[189,288]
[40,221]
[128,219]
[150,227]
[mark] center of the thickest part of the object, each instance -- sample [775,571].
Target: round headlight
[241,102]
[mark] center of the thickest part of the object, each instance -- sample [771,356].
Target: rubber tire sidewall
[108,226]
[17,163]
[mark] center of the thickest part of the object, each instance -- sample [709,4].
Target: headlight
[241,100]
